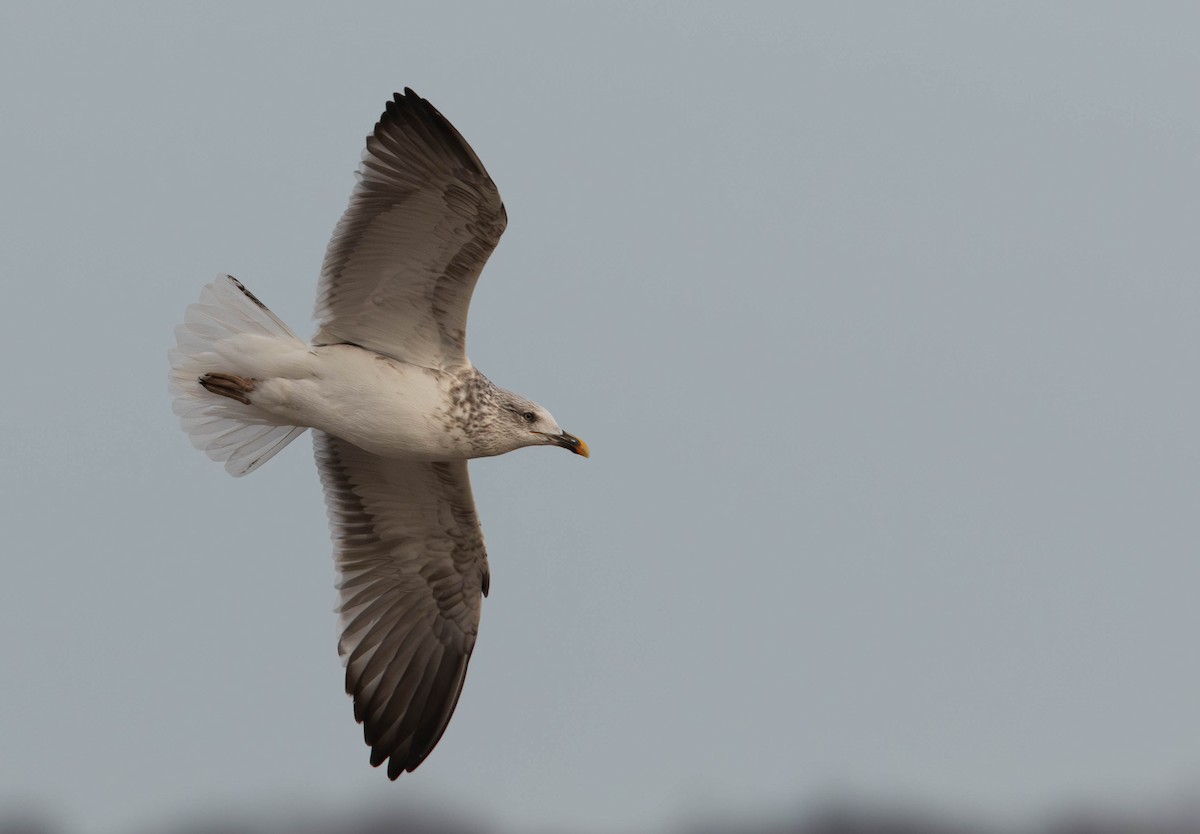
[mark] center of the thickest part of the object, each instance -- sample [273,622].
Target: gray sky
[882,322]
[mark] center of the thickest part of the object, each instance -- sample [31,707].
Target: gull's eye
[528,416]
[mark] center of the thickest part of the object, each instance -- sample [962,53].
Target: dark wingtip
[408,107]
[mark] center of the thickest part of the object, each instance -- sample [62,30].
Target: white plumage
[226,329]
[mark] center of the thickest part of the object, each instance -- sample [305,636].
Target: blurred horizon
[831,817]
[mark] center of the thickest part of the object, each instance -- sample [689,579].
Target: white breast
[355,394]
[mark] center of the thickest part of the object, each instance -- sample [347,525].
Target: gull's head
[528,424]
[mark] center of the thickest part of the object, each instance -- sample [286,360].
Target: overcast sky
[882,322]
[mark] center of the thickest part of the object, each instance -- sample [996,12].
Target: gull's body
[396,407]
[353,394]
[386,406]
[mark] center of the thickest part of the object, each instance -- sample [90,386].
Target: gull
[396,410]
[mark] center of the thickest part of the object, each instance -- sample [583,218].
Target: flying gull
[396,408]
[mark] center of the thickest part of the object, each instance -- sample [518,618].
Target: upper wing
[412,572]
[404,258]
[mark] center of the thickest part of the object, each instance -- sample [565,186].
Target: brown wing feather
[402,265]
[412,573]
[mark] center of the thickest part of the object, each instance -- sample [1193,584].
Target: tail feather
[240,436]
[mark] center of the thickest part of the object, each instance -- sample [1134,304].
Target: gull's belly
[384,406]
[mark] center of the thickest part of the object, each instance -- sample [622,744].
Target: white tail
[240,436]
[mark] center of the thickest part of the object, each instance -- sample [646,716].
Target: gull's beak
[567,441]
